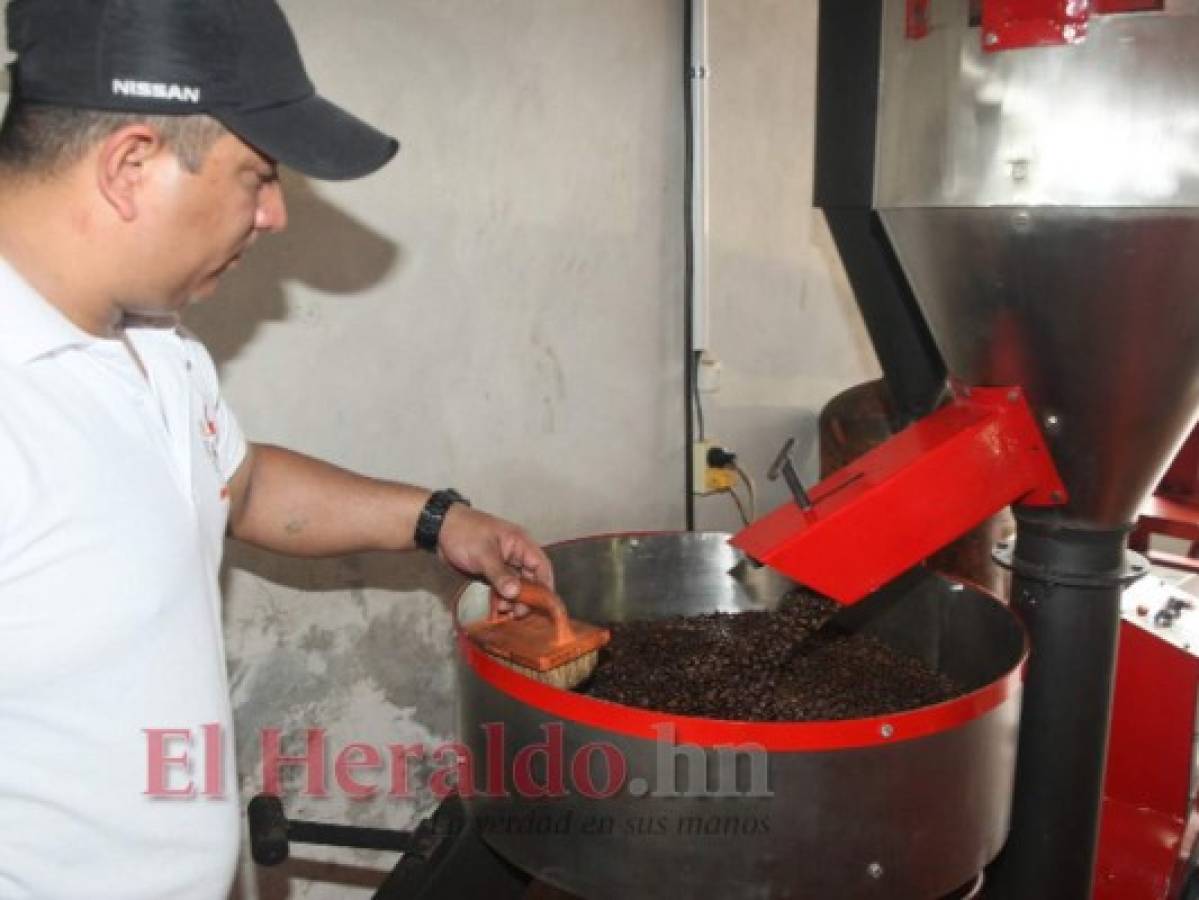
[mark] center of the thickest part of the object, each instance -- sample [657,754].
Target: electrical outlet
[706,479]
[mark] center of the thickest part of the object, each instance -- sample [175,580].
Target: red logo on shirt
[211,438]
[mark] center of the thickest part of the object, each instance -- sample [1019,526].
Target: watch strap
[432,517]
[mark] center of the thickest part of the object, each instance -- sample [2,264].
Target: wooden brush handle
[542,600]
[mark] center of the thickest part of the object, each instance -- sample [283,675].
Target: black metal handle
[271,833]
[782,463]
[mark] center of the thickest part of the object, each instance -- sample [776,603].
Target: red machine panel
[917,20]
[1016,24]
[1011,24]
[1146,804]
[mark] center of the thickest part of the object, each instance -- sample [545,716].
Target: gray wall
[500,310]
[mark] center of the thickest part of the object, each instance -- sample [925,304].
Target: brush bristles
[565,677]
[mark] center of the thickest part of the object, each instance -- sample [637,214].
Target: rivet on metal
[875,870]
[887,731]
[991,39]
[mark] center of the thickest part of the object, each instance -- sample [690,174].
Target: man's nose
[272,208]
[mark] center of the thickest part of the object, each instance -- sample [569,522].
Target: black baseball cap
[234,60]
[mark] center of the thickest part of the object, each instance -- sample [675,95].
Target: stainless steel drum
[607,801]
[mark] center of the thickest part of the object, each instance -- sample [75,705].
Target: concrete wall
[784,325]
[500,310]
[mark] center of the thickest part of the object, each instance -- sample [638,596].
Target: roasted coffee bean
[741,666]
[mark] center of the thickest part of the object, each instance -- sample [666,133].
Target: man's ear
[121,166]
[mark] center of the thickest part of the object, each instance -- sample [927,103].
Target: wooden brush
[546,644]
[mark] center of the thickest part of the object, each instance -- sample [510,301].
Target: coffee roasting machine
[1013,186]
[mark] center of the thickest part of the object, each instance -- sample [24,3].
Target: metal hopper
[1044,204]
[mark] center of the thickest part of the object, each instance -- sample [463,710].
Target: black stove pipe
[846,121]
[1067,582]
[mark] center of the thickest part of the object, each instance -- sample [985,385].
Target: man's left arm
[284,501]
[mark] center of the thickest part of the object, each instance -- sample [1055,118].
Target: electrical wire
[699,399]
[749,487]
[745,520]
[688,273]
[731,490]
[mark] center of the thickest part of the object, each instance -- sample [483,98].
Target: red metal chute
[909,497]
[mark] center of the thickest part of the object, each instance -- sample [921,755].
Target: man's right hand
[476,543]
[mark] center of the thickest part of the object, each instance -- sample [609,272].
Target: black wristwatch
[431,518]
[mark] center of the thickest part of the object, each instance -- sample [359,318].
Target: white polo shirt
[113,508]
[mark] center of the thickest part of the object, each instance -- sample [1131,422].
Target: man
[138,162]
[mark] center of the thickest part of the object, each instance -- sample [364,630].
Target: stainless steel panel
[1112,121]
[1095,312]
[1044,204]
[905,821]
